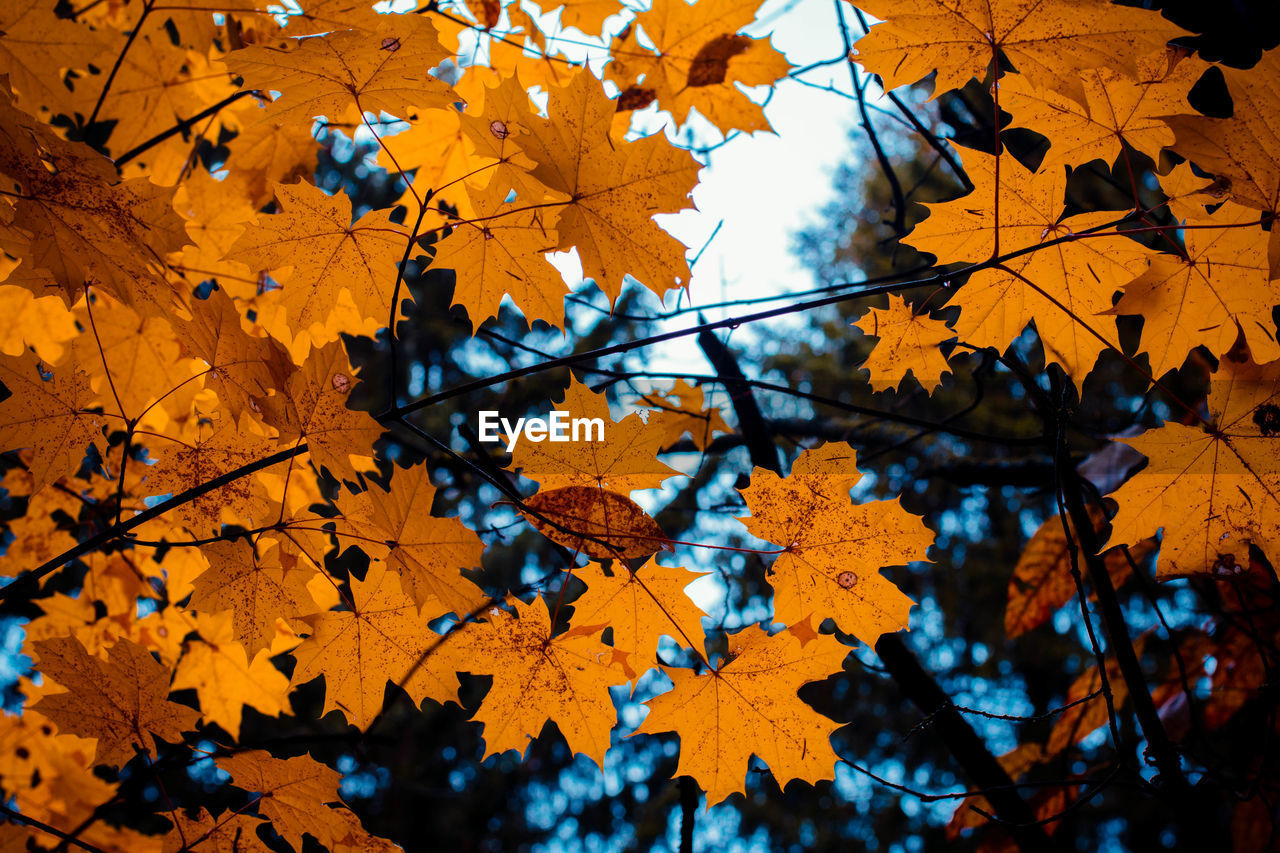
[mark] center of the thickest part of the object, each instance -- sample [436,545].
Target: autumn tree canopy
[262,268]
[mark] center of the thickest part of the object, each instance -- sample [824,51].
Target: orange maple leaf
[834,549]
[748,706]
[122,701]
[537,677]
[382,638]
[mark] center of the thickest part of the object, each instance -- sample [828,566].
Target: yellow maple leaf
[641,606]
[328,254]
[701,60]
[266,152]
[537,677]
[497,117]
[1242,151]
[1048,41]
[254,588]
[225,679]
[748,706]
[1244,148]
[426,551]
[1065,288]
[1220,290]
[908,344]
[614,187]
[1212,491]
[154,87]
[387,69]
[437,152]
[40,322]
[214,449]
[834,549]
[242,368]
[314,408]
[503,252]
[137,359]
[624,461]
[50,416]
[684,410]
[80,223]
[229,833]
[37,41]
[293,793]
[1118,110]
[382,638]
[120,701]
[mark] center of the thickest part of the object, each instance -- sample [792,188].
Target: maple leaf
[501,116]
[641,606]
[323,16]
[586,15]
[614,187]
[154,87]
[537,677]
[1048,41]
[382,637]
[684,411]
[120,701]
[622,462]
[315,409]
[1243,150]
[1117,110]
[80,222]
[293,793]
[436,150]
[834,548]
[1081,720]
[748,706]
[242,368]
[225,679]
[267,152]
[50,416]
[218,448]
[1213,491]
[329,255]
[503,252]
[383,70]
[229,833]
[427,552]
[138,359]
[908,343]
[256,591]
[37,40]
[41,534]
[40,322]
[216,215]
[596,522]
[1065,288]
[1220,289]
[700,61]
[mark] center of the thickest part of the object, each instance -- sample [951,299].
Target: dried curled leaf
[596,522]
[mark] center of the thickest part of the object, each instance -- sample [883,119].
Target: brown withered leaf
[1042,581]
[600,523]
